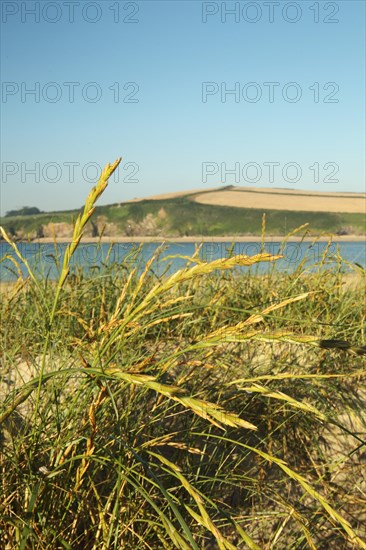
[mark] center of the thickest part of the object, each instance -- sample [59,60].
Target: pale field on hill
[275,200]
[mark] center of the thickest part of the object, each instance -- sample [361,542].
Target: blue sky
[171,61]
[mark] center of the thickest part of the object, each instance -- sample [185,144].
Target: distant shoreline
[202,239]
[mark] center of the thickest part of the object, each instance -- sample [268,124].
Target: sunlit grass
[209,408]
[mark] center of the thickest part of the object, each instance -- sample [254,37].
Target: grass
[205,409]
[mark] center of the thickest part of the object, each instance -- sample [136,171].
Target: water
[92,257]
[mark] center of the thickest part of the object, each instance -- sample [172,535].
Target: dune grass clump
[208,408]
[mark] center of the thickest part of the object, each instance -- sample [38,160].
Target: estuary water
[45,259]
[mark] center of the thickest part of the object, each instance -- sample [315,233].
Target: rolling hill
[214,212]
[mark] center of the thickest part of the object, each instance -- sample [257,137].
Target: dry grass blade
[293,376]
[257,317]
[84,217]
[210,411]
[202,269]
[215,414]
[266,392]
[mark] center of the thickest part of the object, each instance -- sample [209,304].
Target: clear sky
[150,81]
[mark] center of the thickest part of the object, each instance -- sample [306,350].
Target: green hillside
[181,216]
